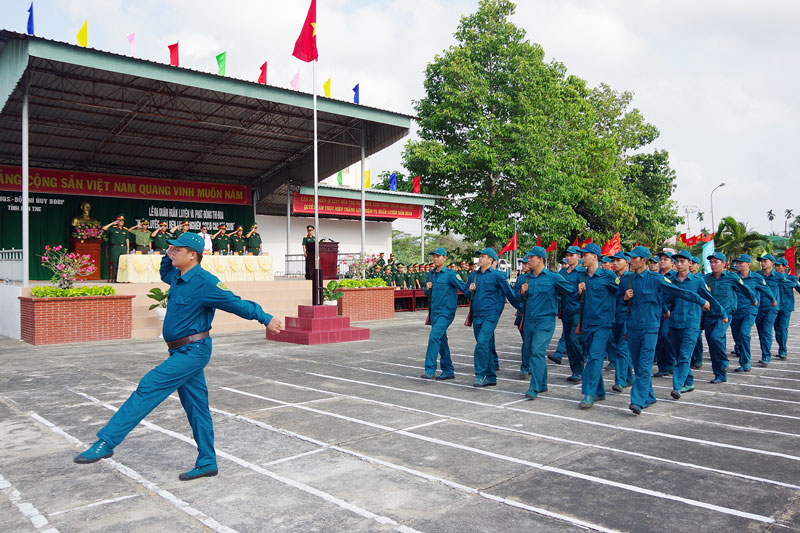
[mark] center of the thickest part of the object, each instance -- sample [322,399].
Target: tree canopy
[506,137]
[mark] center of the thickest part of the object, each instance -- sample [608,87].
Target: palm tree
[733,238]
[789,213]
[771,217]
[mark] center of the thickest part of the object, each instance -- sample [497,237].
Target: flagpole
[317,284]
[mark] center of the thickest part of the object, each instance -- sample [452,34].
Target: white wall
[346,232]
[9,318]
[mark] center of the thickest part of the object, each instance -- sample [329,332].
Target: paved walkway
[348,438]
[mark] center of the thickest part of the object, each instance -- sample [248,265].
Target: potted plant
[161,302]
[331,293]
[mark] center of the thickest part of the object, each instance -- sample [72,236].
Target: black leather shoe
[442,378]
[196,473]
[426,376]
[635,408]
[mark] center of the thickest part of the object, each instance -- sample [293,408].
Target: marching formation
[632,308]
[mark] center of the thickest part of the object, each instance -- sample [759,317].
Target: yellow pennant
[327,88]
[83,34]
[366,179]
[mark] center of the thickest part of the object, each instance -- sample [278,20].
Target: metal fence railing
[10,265]
[296,265]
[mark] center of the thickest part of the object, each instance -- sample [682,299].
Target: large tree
[506,137]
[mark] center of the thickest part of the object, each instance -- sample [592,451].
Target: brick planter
[374,303]
[80,319]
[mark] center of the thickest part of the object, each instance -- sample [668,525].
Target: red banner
[113,186]
[304,204]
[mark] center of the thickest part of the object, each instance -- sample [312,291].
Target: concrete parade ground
[346,437]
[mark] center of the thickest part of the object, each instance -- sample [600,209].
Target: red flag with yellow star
[305,49]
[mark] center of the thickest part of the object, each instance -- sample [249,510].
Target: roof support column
[288,219]
[363,202]
[26,252]
[422,231]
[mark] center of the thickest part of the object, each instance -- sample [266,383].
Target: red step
[318,324]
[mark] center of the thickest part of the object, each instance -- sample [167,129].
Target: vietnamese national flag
[691,241]
[584,243]
[552,248]
[682,238]
[262,78]
[511,245]
[305,49]
[614,245]
[709,237]
[417,184]
[789,256]
[173,55]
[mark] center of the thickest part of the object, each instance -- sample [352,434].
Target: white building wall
[9,318]
[346,232]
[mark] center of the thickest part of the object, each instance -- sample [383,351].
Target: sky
[717,77]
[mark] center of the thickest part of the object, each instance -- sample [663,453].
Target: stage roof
[91,110]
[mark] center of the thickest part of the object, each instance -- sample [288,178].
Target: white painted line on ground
[781,379]
[26,509]
[132,474]
[95,504]
[561,471]
[531,434]
[572,419]
[293,457]
[268,473]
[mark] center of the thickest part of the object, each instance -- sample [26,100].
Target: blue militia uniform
[488,300]
[444,302]
[598,305]
[623,371]
[643,324]
[665,351]
[785,312]
[684,327]
[745,316]
[524,366]
[193,298]
[540,309]
[724,289]
[570,309]
[767,314]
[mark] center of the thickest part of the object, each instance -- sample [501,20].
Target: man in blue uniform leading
[194,295]
[488,290]
[441,288]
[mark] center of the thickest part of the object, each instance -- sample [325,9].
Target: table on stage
[143,268]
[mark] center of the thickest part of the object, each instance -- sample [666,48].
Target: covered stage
[110,118]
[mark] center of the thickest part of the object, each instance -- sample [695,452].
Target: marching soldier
[767,314]
[441,287]
[623,371]
[723,285]
[570,308]
[118,242]
[160,237]
[524,367]
[745,315]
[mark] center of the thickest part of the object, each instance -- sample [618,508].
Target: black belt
[183,341]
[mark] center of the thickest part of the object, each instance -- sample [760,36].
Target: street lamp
[713,225]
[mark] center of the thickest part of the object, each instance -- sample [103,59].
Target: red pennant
[305,49]
[417,184]
[709,237]
[576,242]
[511,245]
[173,55]
[262,78]
[789,256]
[552,248]
[538,240]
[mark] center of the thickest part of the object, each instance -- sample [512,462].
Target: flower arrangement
[66,266]
[87,231]
[362,264]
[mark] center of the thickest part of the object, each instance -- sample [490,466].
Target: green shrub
[361,283]
[55,292]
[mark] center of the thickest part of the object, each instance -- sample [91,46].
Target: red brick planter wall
[85,318]
[375,303]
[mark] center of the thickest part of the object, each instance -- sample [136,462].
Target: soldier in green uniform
[399,276]
[308,239]
[118,242]
[221,241]
[392,263]
[177,230]
[141,236]
[381,262]
[463,271]
[253,241]
[160,237]
[387,276]
[238,241]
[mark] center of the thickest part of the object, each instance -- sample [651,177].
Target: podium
[328,259]
[90,247]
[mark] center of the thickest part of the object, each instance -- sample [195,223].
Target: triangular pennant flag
[83,34]
[174,59]
[417,184]
[327,88]
[305,48]
[339,177]
[552,248]
[392,181]
[262,78]
[538,240]
[366,179]
[221,60]
[295,83]
[30,19]
[510,245]
[132,43]
[576,242]
[355,95]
